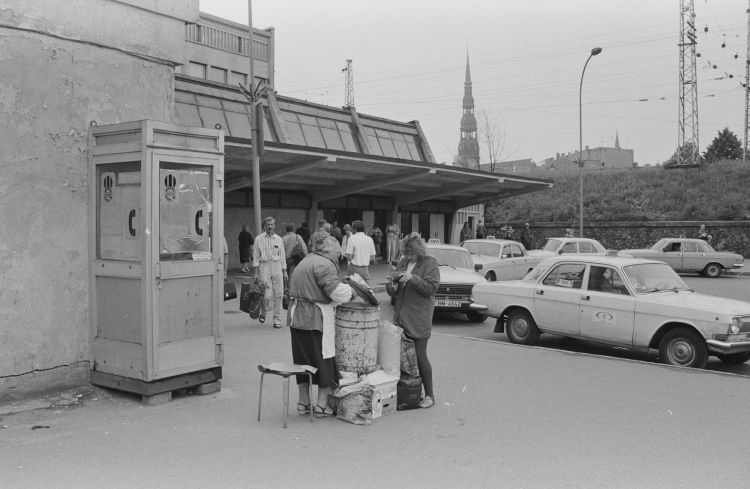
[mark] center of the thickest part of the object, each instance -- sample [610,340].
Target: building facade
[600,158]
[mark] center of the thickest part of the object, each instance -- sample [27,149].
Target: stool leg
[286,398]
[260,394]
[309,395]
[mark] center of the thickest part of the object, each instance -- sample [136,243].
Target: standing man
[480,229]
[360,251]
[269,262]
[322,232]
[393,231]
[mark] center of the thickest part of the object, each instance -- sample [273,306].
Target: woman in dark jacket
[414,284]
[246,248]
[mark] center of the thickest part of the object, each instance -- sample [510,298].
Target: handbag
[230,291]
[286,297]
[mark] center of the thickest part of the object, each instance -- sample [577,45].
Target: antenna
[349,83]
[687,118]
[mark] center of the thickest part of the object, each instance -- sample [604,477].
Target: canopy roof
[327,153]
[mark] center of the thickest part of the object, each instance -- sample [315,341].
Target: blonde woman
[414,284]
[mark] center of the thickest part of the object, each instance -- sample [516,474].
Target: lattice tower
[687,132]
[349,83]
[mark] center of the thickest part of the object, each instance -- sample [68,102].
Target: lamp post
[594,52]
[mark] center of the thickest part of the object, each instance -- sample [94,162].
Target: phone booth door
[187,280]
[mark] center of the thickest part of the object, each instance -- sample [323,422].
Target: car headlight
[735,326]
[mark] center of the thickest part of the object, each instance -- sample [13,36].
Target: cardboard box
[383,398]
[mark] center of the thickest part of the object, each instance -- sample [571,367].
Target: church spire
[617,140]
[468,147]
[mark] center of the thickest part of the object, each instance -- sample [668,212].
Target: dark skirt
[307,349]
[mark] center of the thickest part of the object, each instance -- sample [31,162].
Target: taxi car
[501,259]
[457,277]
[633,303]
[690,255]
[562,246]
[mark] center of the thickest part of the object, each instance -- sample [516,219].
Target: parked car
[690,255]
[501,259]
[457,277]
[563,246]
[628,302]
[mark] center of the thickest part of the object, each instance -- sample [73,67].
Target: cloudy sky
[526,59]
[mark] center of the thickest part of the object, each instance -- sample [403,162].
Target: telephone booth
[156,257]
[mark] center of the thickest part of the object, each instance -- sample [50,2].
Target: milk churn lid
[363,292]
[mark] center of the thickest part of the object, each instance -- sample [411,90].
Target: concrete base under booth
[158,391]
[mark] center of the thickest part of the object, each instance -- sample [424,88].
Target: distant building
[525,165]
[601,158]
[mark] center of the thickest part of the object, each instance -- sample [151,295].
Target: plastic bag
[251,299]
[389,347]
[409,364]
[408,392]
[353,403]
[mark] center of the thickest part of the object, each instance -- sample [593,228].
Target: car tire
[490,277]
[735,357]
[476,317]
[712,270]
[521,328]
[683,347]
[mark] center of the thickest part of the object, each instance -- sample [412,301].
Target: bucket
[357,337]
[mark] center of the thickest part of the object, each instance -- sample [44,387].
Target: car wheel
[476,317]
[521,328]
[735,357]
[490,276]
[683,347]
[712,270]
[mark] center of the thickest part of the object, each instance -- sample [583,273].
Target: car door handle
[540,292]
[585,297]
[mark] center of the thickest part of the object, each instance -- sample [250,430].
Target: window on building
[197,70]
[235,78]
[218,74]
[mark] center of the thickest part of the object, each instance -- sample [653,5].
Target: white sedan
[564,246]
[628,302]
[501,259]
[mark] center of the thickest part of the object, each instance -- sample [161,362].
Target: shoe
[322,412]
[261,319]
[277,325]
[427,402]
[303,408]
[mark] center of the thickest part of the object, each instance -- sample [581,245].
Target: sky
[526,58]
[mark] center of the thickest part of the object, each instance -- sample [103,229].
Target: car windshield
[452,258]
[654,277]
[659,245]
[552,245]
[479,248]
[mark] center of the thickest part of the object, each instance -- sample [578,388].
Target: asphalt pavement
[506,416]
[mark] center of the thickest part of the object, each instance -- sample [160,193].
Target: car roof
[440,246]
[590,240]
[597,259]
[492,241]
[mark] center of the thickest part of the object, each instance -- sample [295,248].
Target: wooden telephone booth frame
[156,257]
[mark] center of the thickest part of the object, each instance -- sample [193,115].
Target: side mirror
[477,267]
[560,252]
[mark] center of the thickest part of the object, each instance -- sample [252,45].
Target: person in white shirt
[269,261]
[360,251]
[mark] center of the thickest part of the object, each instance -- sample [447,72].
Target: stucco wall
[727,235]
[51,89]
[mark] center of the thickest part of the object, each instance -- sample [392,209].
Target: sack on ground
[408,392]
[389,347]
[353,403]
[230,291]
[409,364]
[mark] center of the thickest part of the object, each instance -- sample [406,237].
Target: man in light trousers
[269,261]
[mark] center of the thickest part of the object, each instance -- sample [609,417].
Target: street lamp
[594,52]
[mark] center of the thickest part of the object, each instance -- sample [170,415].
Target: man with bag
[295,248]
[269,262]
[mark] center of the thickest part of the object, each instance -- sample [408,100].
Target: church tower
[468,147]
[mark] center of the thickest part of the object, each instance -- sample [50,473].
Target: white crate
[383,398]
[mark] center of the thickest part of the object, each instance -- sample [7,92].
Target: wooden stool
[286,370]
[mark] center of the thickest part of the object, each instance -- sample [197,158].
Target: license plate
[447,303]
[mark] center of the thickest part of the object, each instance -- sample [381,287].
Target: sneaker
[277,325]
[427,402]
